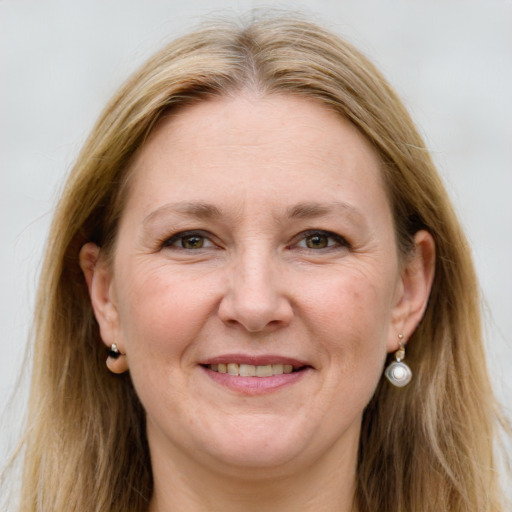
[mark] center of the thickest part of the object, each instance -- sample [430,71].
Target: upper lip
[260,360]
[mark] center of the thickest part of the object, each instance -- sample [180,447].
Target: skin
[298,259]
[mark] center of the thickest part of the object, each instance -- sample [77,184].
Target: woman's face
[257,238]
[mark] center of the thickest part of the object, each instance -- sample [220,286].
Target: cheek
[160,314]
[355,299]
[353,319]
[161,319]
[358,350]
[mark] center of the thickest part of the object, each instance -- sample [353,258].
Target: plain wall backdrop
[60,61]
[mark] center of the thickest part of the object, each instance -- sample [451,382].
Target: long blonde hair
[427,447]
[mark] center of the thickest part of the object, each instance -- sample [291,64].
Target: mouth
[255,375]
[250,370]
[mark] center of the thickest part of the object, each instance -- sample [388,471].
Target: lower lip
[256,385]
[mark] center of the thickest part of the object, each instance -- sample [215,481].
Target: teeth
[277,369]
[249,370]
[233,369]
[264,371]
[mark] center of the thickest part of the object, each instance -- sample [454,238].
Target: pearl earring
[398,373]
[113,351]
[116,360]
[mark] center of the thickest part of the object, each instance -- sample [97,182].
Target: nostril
[255,317]
[255,299]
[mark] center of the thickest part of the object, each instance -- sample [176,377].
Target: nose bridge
[254,274]
[255,297]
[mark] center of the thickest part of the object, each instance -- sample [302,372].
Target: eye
[317,240]
[192,242]
[189,241]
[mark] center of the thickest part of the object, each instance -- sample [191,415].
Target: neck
[184,484]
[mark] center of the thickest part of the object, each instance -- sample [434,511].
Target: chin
[258,443]
[251,458]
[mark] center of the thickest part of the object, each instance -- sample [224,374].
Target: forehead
[253,148]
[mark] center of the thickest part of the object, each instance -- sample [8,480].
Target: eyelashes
[316,240]
[189,240]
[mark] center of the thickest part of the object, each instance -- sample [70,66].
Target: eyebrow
[311,210]
[194,209]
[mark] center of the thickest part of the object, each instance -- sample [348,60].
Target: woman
[253,227]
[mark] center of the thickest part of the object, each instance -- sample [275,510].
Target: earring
[116,360]
[113,351]
[398,373]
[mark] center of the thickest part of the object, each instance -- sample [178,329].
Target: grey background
[451,62]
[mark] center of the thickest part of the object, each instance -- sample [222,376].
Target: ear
[413,289]
[98,277]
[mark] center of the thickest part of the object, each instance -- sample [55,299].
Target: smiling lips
[255,375]
[249,370]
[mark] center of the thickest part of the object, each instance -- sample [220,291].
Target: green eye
[192,242]
[188,240]
[317,241]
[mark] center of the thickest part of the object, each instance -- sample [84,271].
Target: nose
[255,297]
